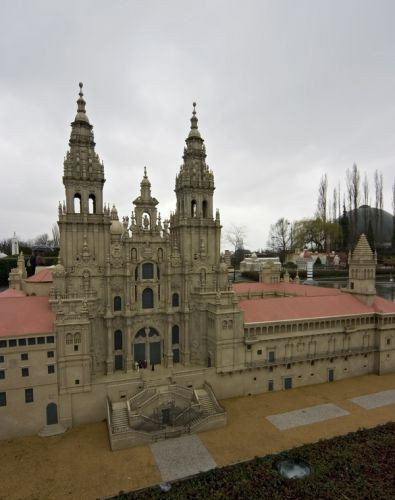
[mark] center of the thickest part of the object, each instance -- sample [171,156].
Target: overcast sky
[286,91]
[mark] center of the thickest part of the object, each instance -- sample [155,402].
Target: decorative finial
[145,171]
[194,108]
[81,85]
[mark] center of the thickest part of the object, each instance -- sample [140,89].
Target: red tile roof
[10,292]
[44,276]
[287,288]
[383,306]
[289,308]
[25,315]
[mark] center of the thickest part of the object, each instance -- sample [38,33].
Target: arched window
[69,338]
[92,204]
[117,303]
[117,340]
[175,335]
[193,208]
[153,333]
[77,203]
[148,298]
[175,300]
[148,271]
[77,338]
[204,207]
[141,333]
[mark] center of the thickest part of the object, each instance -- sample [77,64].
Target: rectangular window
[270,385]
[25,372]
[3,399]
[21,341]
[31,341]
[2,374]
[12,343]
[288,383]
[271,356]
[3,343]
[1,359]
[50,354]
[259,352]
[51,368]
[50,339]
[41,340]
[28,395]
[77,382]
[75,347]
[388,341]
[24,356]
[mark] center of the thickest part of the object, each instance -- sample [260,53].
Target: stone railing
[310,357]
[138,398]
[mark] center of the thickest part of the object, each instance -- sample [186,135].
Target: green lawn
[359,465]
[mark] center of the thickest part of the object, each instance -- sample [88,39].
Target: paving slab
[181,457]
[375,400]
[306,416]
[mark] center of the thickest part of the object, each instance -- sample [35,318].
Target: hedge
[359,465]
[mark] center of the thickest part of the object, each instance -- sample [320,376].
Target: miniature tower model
[194,228]
[362,271]
[14,245]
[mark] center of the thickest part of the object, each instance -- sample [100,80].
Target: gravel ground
[80,465]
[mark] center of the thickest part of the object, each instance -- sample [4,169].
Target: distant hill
[382,223]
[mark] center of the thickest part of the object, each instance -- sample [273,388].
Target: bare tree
[381,201]
[55,235]
[235,235]
[334,205]
[41,239]
[322,198]
[353,180]
[365,189]
[365,193]
[339,208]
[281,237]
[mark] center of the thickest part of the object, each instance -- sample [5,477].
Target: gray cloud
[286,91]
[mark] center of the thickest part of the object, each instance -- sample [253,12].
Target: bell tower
[195,231]
[362,271]
[82,219]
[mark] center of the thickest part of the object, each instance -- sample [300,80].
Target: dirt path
[80,465]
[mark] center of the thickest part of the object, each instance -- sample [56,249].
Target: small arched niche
[92,204]
[77,203]
[193,208]
[204,209]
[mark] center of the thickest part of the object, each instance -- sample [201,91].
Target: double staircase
[195,410]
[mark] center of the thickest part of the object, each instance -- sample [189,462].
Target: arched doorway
[147,346]
[52,414]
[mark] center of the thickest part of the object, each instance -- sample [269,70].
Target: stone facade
[155,292]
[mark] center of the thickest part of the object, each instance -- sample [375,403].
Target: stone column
[129,362]
[185,334]
[168,344]
[110,357]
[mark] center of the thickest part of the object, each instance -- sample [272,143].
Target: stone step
[52,430]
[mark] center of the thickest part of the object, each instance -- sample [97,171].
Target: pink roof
[288,308]
[383,306]
[10,292]
[44,276]
[25,315]
[287,288]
